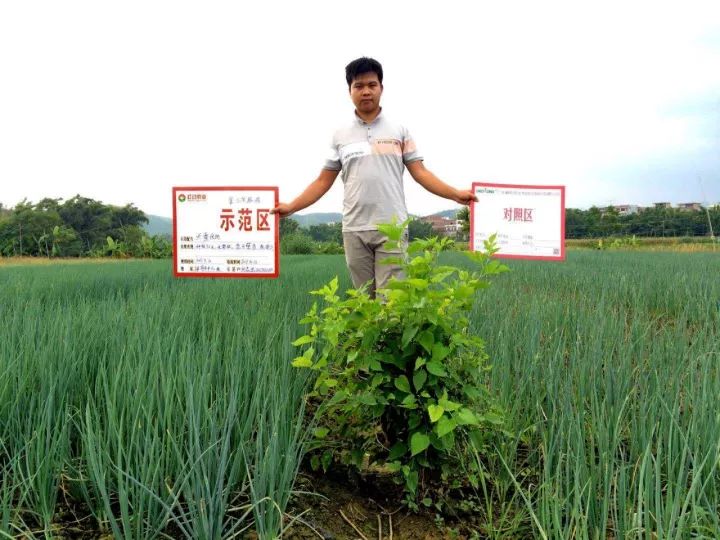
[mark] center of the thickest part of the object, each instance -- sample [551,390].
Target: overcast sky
[120,101]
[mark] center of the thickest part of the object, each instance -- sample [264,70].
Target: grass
[167,407]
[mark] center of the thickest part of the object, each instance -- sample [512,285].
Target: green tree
[298,243]
[325,232]
[288,226]
[420,229]
[94,221]
[464,216]
[65,242]
[79,226]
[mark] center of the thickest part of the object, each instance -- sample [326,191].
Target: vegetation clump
[401,378]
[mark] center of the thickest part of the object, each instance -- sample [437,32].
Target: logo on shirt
[355,150]
[388,141]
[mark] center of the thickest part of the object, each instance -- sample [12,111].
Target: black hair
[360,66]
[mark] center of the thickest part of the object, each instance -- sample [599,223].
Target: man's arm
[434,185]
[312,194]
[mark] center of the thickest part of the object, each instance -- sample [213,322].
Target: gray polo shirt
[372,157]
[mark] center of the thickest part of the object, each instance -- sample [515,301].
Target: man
[372,151]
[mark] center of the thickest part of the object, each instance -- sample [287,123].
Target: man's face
[365,92]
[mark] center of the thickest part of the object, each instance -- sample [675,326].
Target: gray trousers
[363,252]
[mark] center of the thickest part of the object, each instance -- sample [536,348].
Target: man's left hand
[465,197]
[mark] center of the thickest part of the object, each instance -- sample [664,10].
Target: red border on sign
[226,274]
[560,257]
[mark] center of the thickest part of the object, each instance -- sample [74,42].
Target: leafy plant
[297,244]
[400,377]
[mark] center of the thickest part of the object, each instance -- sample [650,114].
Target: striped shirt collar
[364,123]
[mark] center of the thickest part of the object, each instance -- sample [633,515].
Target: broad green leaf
[408,334]
[418,283]
[420,362]
[411,481]
[302,362]
[391,230]
[357,456]
[303,340]
[427,340]
[464,291]
[393,466]
[465,417]
[409,402]
[418,443]
[439,352]
[421,303]
[321,432]
[448,441]
[449,405]
[419,379]
[398,450]
[435,412]
[440,275]
[326,459]
[445,426]
[436,369]
[367,399]
[402,383]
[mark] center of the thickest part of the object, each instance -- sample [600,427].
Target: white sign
[225,232]
[529,220]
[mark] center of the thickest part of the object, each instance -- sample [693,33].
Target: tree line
[77,227]
[84,227]
[650,222]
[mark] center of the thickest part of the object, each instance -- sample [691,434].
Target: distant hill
[448,213]
[158,225]
[305,220]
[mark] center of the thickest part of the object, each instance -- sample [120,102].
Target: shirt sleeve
[332,159]
[410,152]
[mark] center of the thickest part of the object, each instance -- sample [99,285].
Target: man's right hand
[283,209]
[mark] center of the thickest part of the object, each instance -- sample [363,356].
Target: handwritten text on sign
[529,221]
[225,232]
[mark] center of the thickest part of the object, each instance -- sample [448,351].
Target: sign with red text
[529,221]
[225,232]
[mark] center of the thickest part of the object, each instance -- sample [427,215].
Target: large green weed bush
[400,377]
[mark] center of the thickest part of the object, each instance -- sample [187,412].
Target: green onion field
[141,406]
